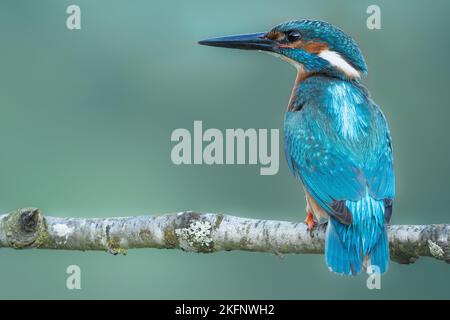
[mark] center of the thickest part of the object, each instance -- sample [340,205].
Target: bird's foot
[310,222]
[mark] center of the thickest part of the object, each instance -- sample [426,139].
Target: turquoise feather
[338,144]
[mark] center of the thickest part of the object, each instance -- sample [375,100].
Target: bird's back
[337,143]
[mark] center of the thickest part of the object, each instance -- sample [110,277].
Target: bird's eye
[293,36]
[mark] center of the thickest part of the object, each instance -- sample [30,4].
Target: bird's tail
[347,246]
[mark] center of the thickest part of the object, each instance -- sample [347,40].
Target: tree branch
[195,232]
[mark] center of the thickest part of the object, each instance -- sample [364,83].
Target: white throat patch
[336,60]
[296,64]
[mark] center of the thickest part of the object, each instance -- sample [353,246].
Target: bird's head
[311,46]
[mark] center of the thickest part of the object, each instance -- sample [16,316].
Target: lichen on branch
[203,233]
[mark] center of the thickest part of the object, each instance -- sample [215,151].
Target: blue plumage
[337,142]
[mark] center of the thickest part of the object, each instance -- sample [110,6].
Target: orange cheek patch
[310,47]
[315,47]
[294,45]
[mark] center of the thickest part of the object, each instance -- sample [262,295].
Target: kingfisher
[336,139]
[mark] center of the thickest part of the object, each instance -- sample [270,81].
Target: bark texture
[197,232]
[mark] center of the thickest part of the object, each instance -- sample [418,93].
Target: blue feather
[348,245]
[338,145]
[338,257]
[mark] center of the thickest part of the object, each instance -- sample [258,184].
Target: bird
[337,141]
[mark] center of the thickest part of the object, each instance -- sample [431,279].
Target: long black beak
[252,41]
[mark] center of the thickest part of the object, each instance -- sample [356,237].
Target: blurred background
[86,118]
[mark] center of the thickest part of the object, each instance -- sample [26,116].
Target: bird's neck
[302,75]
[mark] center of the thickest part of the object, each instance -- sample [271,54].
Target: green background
[86,119]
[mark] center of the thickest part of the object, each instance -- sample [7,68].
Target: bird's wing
[331,168]
[380,170]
